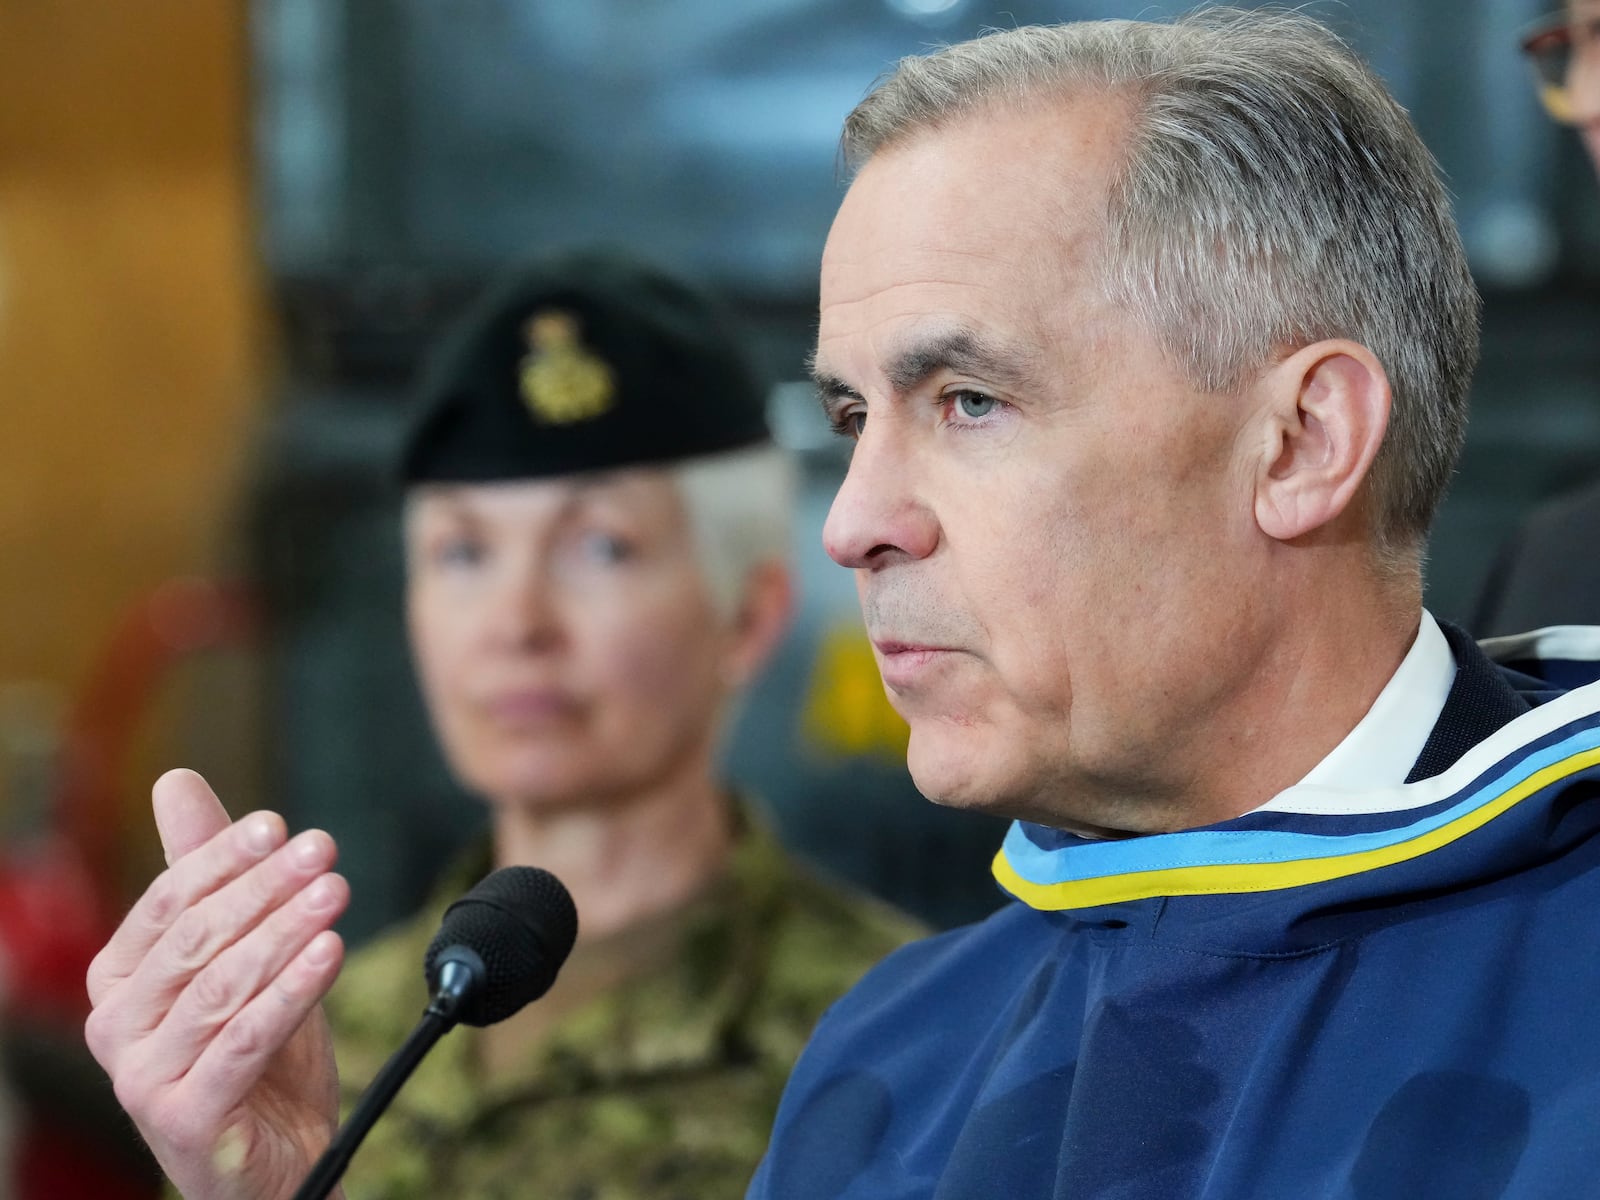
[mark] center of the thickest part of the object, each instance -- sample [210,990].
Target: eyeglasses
[1558,48]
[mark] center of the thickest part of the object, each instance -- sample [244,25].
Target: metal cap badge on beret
[587,362]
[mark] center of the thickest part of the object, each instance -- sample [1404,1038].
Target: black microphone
[498,947]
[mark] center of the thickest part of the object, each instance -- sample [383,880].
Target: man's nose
[877,517]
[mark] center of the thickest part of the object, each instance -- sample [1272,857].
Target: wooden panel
[129,321]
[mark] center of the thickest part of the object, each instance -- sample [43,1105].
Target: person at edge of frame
[1536,579]
[596,533]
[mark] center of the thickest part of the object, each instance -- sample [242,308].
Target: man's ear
[758,623]
[1324,414]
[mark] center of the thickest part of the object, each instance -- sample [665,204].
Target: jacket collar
[1481,701]
[1495,750]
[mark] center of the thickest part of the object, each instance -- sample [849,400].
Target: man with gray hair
[1155,342]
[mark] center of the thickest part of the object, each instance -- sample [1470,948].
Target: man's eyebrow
[831,390]
[960,351]
[963,352]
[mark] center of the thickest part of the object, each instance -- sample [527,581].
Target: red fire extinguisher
[60,899]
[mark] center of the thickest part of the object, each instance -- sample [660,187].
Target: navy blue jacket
[1394,1006]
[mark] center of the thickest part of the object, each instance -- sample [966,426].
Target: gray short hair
[1273,194]
[740,508]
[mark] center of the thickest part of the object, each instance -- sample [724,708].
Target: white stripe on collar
[1380,751]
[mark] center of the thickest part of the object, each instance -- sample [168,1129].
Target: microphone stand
[456,979]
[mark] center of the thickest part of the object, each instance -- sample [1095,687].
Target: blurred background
[228,230]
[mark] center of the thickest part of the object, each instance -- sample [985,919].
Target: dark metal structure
[407,148]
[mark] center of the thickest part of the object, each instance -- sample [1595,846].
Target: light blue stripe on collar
[1482,775]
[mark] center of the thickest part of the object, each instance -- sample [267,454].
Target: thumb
[188,813]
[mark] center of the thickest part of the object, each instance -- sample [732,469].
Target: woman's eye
[975,405]
[607,548]
[459,552]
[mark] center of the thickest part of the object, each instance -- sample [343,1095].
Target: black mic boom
[498,947]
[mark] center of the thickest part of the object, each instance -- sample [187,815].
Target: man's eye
[851,424]
[975,404]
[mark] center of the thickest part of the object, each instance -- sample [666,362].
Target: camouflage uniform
[665,1087]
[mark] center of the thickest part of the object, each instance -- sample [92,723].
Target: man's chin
[956,767]
[947,765]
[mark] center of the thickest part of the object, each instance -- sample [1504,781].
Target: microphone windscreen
[522,923]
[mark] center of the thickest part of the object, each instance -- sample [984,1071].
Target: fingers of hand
[221,991]
[233,1062]
[213,922]
[191,1120]
[197,988]
[230,853]
[188,813]
[209,919]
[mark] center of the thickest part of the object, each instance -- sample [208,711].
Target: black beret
[585,362]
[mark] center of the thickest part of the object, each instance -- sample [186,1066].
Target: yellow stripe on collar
[1214,879]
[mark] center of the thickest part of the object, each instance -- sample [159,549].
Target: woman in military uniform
[596,531]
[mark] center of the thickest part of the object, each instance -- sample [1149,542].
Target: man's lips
[895,646]
[902,664]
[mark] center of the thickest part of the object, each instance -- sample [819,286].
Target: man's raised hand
[205,1000]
